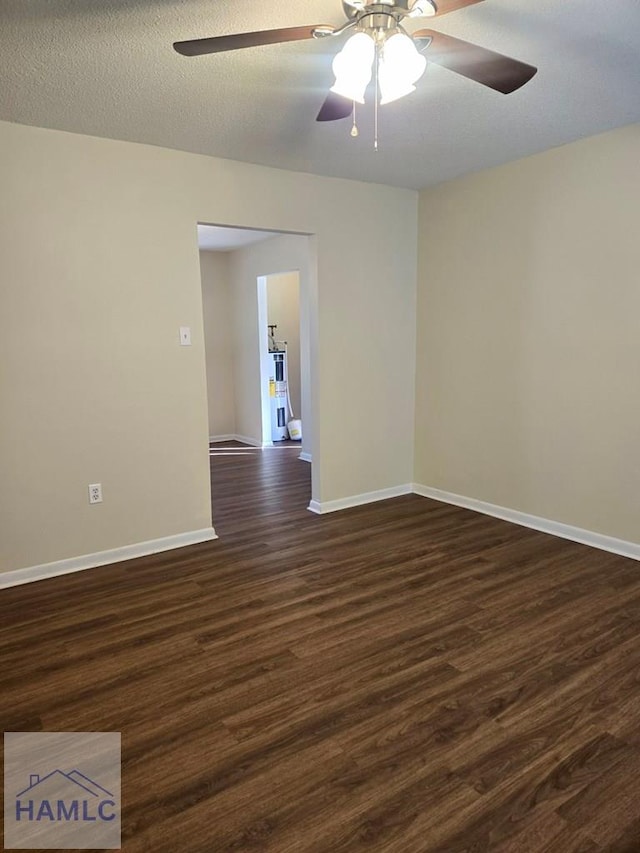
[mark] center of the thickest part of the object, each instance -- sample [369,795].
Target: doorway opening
[280,365]
[244,289]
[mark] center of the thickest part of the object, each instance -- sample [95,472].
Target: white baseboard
[103,558]
[306,457]
[252,442]
[555,528]
[243,439]
[321,507]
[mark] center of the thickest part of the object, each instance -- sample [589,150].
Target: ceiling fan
[379,45]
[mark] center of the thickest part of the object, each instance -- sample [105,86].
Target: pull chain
[354,126]
[375,108]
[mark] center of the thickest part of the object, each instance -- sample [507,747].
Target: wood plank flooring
[403,677]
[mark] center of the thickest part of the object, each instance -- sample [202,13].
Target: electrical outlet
[95,493]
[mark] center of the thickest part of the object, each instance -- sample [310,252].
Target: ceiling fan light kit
[353,67]
[379,47]
[400,66]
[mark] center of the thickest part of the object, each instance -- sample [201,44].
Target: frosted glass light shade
[352,67]
[401,65]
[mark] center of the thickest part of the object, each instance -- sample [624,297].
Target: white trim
[546,525]
[321,507]
[103,558]
[306,457]
[243,439]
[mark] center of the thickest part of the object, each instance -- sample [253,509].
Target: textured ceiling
[108,69]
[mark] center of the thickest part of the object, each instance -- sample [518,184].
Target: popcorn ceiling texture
[108,69]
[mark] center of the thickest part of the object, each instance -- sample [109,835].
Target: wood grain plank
[403,677]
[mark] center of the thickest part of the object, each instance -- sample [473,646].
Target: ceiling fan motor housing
[398,9]
[380,21]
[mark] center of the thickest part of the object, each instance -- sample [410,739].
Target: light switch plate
[185,336]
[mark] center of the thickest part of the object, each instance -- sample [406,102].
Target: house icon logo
[62,791]
[61,796]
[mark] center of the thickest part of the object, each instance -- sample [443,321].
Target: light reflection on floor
[247,451]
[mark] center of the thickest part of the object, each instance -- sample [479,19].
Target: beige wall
[283,309]
[217,306]
[528,352]
[99,268]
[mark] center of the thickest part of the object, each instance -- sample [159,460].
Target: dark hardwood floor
[405,676]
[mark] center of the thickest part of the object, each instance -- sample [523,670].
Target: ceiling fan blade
[217,44]
[477,63]
[446,6]
[334,108]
